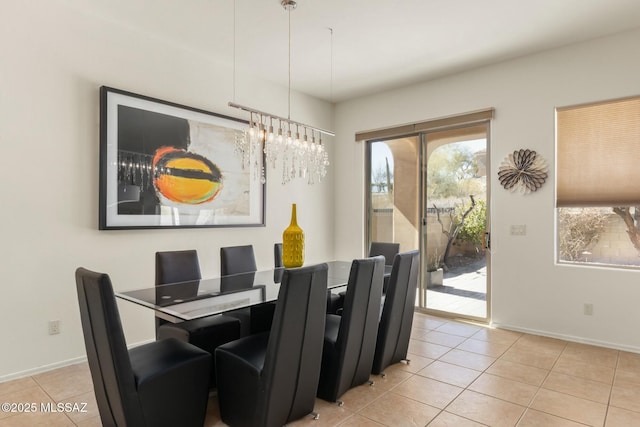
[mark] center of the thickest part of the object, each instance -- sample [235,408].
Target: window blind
[598,154]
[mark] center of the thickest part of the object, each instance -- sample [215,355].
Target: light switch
[519,230]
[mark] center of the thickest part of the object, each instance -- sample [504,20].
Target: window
[598,183]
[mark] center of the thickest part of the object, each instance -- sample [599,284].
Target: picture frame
[166,165]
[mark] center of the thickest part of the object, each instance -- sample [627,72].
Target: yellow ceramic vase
[293,243]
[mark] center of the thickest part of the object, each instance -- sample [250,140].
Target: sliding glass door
[429,191]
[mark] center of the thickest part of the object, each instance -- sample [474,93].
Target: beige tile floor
[460,375]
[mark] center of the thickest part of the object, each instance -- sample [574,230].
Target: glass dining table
[176,302]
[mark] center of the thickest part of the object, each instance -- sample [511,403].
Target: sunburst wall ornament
[523,170]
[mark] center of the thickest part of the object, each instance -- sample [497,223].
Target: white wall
[53,59]
[529,292]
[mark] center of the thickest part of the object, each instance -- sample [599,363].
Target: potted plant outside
[435,273]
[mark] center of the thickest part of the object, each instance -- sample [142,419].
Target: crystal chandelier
[295,146]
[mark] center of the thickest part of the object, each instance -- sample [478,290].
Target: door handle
[487,240]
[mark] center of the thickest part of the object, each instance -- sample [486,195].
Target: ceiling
[375,45]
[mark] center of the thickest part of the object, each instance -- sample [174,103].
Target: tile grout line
[484,371]
[615,374]
[53,400]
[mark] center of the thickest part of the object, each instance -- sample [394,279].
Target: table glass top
[200,298]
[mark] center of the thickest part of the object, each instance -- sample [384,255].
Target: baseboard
[41,369]
[571,338]
[52,366]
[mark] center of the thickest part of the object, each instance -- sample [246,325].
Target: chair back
[277,255]
[177,266]
[109,363]
[294,352]
[237,259]
[386,249]
[356,339]
[394,330]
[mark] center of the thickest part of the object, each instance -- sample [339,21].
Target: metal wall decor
[523,170]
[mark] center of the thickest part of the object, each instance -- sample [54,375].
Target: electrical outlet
[588,309]
[54,327]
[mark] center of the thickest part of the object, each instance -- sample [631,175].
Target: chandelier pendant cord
[234,50]
[289,59]
[233,79]
[331,65]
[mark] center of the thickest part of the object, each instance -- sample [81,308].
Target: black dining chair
[334,301]
[207,332]
[388,250]
[236,260]
[174,267]
[262,315]
[271,378]
[162,383]
[394,329]
[277,255]
[278,264]
[350,339]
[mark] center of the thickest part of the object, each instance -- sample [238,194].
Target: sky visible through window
[379,152]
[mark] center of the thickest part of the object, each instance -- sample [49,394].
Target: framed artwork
[165,165]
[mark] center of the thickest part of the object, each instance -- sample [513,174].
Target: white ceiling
[376,44]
